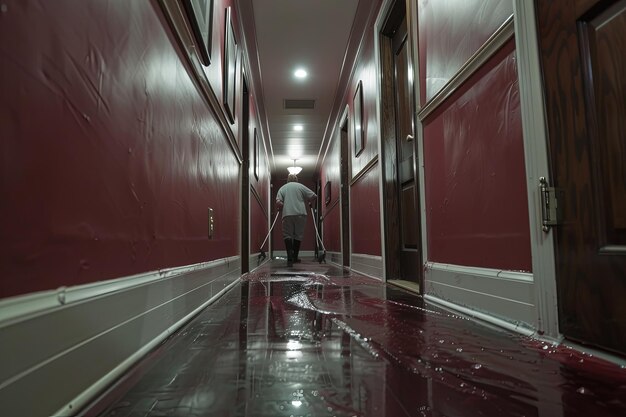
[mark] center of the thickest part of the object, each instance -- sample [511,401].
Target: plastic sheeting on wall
[365,214]
[450,32]
[477,208]
[110,156]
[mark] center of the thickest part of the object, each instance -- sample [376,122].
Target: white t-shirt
[294,197]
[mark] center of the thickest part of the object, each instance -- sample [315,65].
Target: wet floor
[314,341]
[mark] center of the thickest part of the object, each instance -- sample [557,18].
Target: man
[293,198]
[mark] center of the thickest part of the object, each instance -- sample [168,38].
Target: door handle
[409,138]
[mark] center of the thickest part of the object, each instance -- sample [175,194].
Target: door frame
[391,266]
[534,128]
[344,187]
[245,178]
[536,162]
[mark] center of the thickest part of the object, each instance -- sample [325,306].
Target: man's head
[292,178]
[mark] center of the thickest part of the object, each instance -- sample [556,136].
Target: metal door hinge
[551,208]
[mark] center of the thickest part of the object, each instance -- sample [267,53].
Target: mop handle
[316,232]
[268,233]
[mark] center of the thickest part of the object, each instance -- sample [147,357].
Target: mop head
[261,257]
[322,257]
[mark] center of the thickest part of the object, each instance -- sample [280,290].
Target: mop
[262,256]
[320,257]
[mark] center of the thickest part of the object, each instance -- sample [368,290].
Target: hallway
[470,152]
[315,341]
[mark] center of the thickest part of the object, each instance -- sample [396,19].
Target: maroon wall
[365,214]
[110,155]
[366,73]
[331,171]
[259,187]
[332,229]
[364,194]
[477,209]
[450,33]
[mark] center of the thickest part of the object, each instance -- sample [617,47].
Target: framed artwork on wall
[327,195]
[257,155]
[357,124]
[200,16]
[230,62]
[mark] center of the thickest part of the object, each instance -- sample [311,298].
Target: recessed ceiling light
[298,128]
[300,73]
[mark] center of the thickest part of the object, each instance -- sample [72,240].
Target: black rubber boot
[289,246]
[296,251]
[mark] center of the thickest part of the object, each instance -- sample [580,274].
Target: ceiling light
[300,73]
[298,128]
[294,169]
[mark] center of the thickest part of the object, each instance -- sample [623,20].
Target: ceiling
[319,36]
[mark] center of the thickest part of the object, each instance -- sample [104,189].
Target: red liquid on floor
[313,341]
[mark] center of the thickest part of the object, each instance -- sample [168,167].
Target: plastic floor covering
[315,341]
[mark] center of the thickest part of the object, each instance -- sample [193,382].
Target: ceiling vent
[299,104]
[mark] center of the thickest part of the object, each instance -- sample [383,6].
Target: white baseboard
[521,328]
[64,353]
[335,258]
[368,265]
[302,254]
[505,295]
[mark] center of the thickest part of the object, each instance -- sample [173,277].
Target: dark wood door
[400,192]
[345,200]
[582,44]
[245,182]
[405,145]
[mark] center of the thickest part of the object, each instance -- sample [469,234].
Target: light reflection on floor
[315,341]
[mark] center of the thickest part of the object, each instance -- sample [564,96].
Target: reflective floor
[313,341]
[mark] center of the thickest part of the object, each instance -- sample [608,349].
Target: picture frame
[357,124]
[200,16]
[230,62]
[256,154]
[327,193]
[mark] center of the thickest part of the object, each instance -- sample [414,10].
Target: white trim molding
[536,162]
[53,337]
[303,253]
[496,41]
[368,265]
[520,328]
[383,12]
[335,257]
[26,306]
[505,295]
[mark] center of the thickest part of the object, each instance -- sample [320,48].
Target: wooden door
[245,182]
[401,217]
[582,44]
[405,145]
[345,188]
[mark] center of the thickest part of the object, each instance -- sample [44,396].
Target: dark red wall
[450,33]
[110,155]
[365,193]
[259,209]
[365,214]
[365,72]
[477,209]
[332,229]
[331,171]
